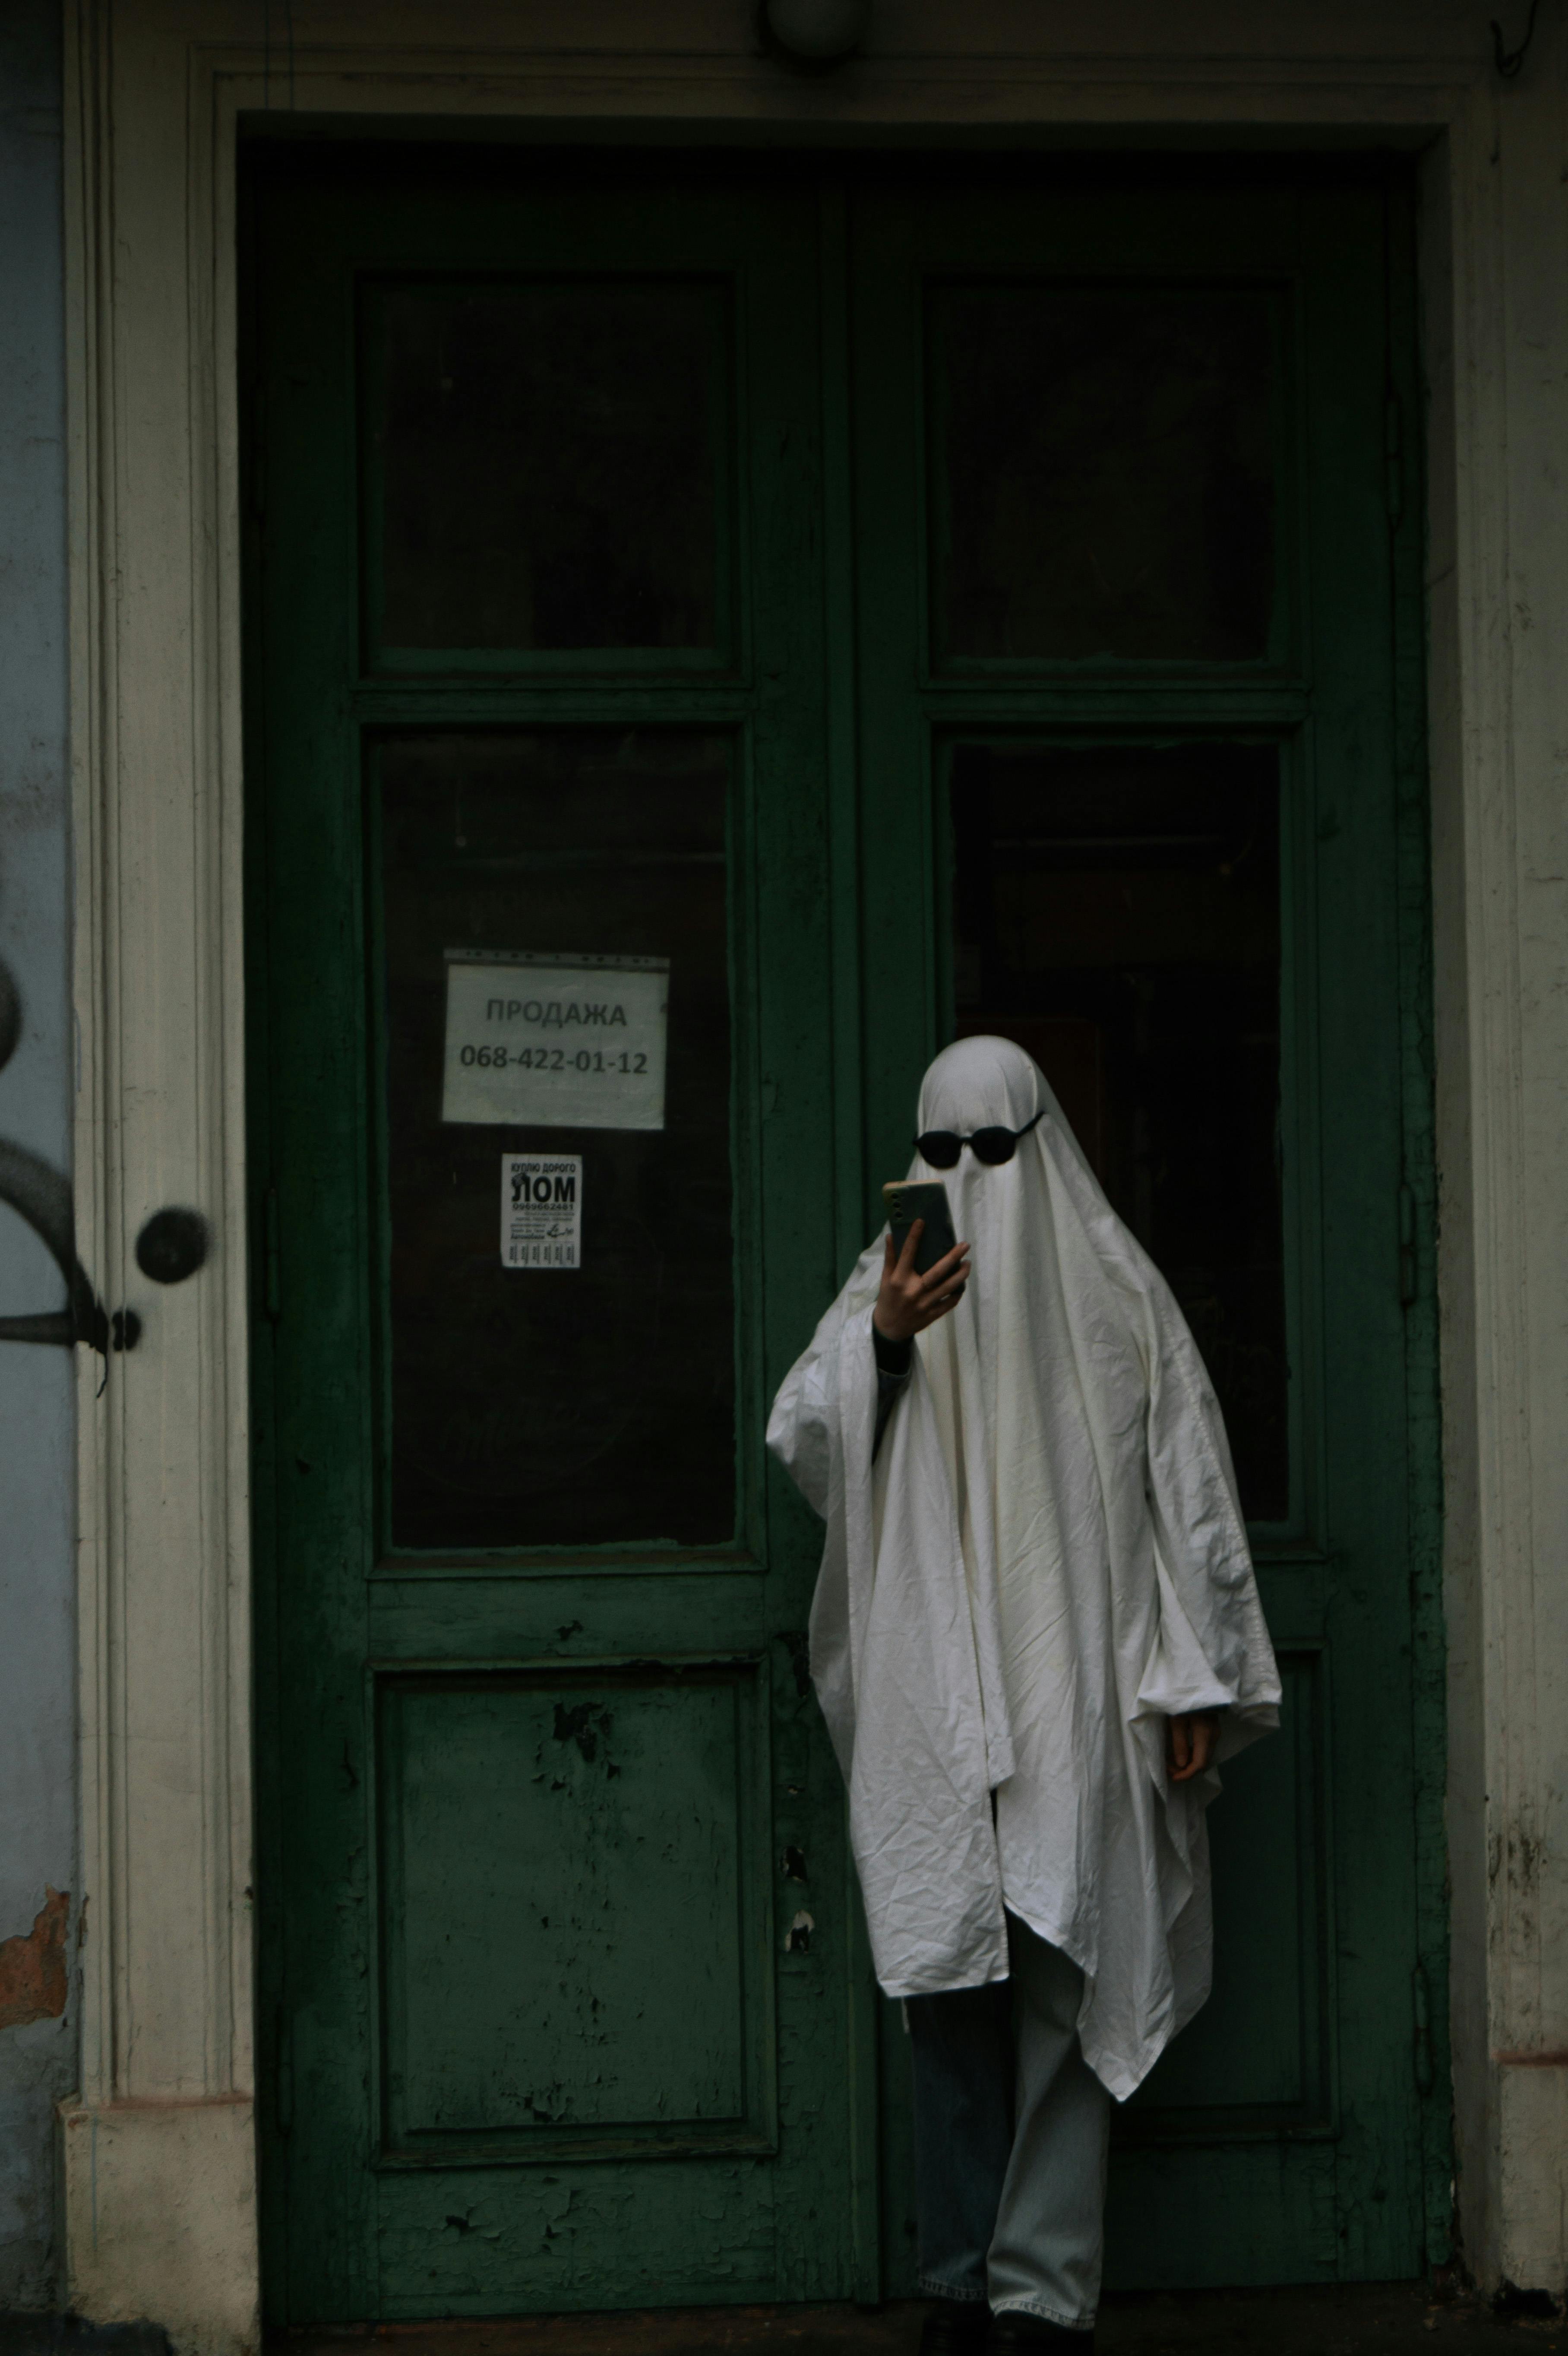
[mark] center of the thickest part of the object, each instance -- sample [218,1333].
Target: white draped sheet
[1047,1559]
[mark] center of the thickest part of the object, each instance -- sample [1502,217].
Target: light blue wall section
[38,1699]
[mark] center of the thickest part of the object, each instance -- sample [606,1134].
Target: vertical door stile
[1419,1177]
[849,1164]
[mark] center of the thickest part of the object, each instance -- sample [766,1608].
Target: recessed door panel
[548,469]
[1257,2059]
[1116,909]
[572,1915]
[1105,471]
[555,920]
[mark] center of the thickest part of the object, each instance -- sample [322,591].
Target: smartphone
[908,1200]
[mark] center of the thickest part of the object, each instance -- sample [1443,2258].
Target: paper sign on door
[542,1210]
[554,1041]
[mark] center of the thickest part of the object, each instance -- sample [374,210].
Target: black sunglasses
[941,1147]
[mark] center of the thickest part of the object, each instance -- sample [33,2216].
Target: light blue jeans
[1011,2127]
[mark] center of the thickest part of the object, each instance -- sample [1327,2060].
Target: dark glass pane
[547,460]
[1104,467]
[1116,912]
[558,1404]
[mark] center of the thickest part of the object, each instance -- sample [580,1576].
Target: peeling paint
[33,1981]
[1524,1860]
[584,1724]
[799,1647]
[797,1938]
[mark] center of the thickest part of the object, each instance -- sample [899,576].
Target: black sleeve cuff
[892,1357]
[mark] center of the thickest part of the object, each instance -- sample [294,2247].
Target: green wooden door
[712,633]
[560,1975]
[1140,639]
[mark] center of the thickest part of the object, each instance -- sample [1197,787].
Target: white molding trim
[88,703]
[155,89]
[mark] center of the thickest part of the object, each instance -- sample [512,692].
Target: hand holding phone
[914,1198]
[923,1269]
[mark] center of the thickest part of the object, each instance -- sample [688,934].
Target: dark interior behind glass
[1104,473]
[546,459]
[1116,911]
[534,1406]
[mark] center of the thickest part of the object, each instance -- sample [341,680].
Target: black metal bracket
[39,1195]
[1509,61]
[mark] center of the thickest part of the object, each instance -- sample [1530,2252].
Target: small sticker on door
[553,1042]
[542,1210]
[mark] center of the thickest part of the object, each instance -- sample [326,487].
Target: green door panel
[548,1830]
[530,1636]
[1151,400]
[813,612]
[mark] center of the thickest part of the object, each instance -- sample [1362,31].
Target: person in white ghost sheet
[1036,1632]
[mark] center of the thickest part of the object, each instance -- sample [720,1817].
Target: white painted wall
[37,1597]
[1498,351]
[163,1569]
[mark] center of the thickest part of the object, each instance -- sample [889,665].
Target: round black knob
[172,1246]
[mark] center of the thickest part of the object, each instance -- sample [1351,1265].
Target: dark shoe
[1015,2335]
[954,2327]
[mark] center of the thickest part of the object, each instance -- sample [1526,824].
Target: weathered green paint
[417,2163]
[1286,2135]
[554,1814]
[576,2132]
[1407,512]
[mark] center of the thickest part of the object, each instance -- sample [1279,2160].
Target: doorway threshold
[1362,2319]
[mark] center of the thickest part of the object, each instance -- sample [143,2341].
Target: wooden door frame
[158,2150]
